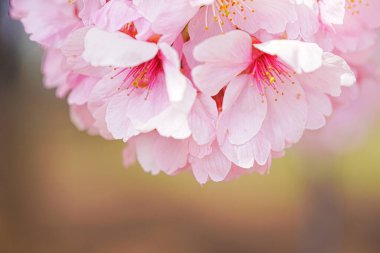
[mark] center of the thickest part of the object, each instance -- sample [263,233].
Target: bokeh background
[64,191]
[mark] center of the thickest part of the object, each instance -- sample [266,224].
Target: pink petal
[82,118]
[244,110]
[329,79]
[114,15]
[215,165]
[287,115]
[171,154]
[81,93]
[145,148]
[175,81]
[319,106]
[118,122]
[202,119]
[245,155]
[301,56]
[225,56]
[116,49]
[167,18]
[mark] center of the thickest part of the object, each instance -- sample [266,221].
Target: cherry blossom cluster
[215,87]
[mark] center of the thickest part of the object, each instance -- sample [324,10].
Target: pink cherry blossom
[47,22]
[355,110]
[147,86]
[216,88]
[275,90]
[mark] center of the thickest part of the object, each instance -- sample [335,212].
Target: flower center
[268,71]
[228,11]
[142,76]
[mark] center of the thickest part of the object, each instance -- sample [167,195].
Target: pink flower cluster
[215,87]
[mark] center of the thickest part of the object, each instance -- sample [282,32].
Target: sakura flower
[47,22]
[221,16]
[146,91]
[275,90]
[217,88]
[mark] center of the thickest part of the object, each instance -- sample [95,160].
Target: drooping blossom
[275,90]
[146,90]
[217,88]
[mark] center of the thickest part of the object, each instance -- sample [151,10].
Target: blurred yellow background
[64,191]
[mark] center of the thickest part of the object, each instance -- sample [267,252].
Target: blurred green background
[64,191]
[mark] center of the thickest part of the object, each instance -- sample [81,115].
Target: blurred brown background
[64,191]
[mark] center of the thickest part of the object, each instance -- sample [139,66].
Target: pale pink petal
[270,15]
[174,120]
[54,68]
[215,165]
[224,57]
[118,122]
[175,81]
[307,23]
[198,33]
[81,93]
[329,79]
[145,148]
[332,11]
[98,102]
[233,47]
[114,15]
[159,154]
[319,107]
[286,116]
[170,154]
[116,49]
[245,155]
[88,9]
[143,105]
[201,2]
[199,151]
[244,110]
[211,78]
[202,119]
[82,118]
[301,56]
[167,18]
